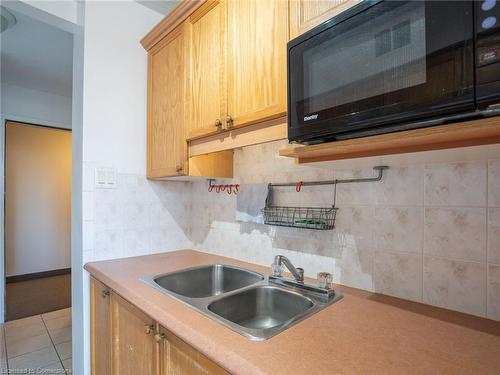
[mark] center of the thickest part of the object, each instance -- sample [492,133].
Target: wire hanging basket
[321,218]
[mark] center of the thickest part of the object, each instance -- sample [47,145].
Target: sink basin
[256,306]
[262,307]
[207,281]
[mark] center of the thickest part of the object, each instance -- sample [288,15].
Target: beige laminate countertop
[362,333]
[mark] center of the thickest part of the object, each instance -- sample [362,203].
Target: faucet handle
[301,274]
[277,269]
[325,280]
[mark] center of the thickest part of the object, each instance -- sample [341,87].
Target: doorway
[37,219]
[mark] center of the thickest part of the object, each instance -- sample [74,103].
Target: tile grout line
[53,345]
[20,355]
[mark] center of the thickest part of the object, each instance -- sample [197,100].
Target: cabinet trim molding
[170,22]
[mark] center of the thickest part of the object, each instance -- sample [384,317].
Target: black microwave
[385,66]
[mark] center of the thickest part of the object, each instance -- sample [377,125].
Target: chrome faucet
[298,273]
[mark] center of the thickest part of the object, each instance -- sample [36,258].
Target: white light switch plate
[105,178]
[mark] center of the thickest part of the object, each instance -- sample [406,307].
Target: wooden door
[178,358]
[306,14]
[134,350]
[257,34]
[167,84]
[100,328]
[207,94]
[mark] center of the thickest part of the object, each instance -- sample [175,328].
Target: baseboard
[37,275]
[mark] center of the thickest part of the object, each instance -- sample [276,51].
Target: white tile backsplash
[456,285]
[427,232]
[494,183]
[398,275]
[456,233]
[494,235]
[459,184]
[401,186]
[494,292]
[398,229]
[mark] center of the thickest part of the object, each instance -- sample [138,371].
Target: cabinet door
[167,83]
[306,14]
[257,36]
[207,94]
[134,348]
[177,358]
[100,328]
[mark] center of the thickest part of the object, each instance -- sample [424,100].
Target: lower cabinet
[100,329]
[133,349]
[126,341]
[177,357]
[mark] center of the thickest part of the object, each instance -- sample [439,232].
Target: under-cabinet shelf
[463,134]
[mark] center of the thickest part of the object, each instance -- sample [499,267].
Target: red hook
[298,186]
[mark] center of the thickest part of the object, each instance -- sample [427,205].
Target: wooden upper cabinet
[257,33]
[100,328]
[207,93]
[306,14]
[134,349]
[168,82]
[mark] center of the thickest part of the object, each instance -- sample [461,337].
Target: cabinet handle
[105,293]
[178,168]
[149,328]
[159,337]
[218,124]
[229,121]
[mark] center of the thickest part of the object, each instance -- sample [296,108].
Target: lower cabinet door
[179,358]
[100,326]
[134,349]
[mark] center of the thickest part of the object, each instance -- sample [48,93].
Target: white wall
[36,107]
[37,217]
[64,9]
[78,277]
[61,13]
[115,90]
[113,135]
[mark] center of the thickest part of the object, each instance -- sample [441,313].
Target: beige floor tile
[3,365]
[64,350]
[54,366]
[57,323]
[3,352]
[27,345]
[68,365]
[60,335]
[15,333]
[56,314]
[23,322]
[33,360]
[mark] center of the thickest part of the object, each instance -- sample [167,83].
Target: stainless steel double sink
[249,303]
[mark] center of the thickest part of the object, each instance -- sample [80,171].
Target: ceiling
[160,6]
[37,56]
